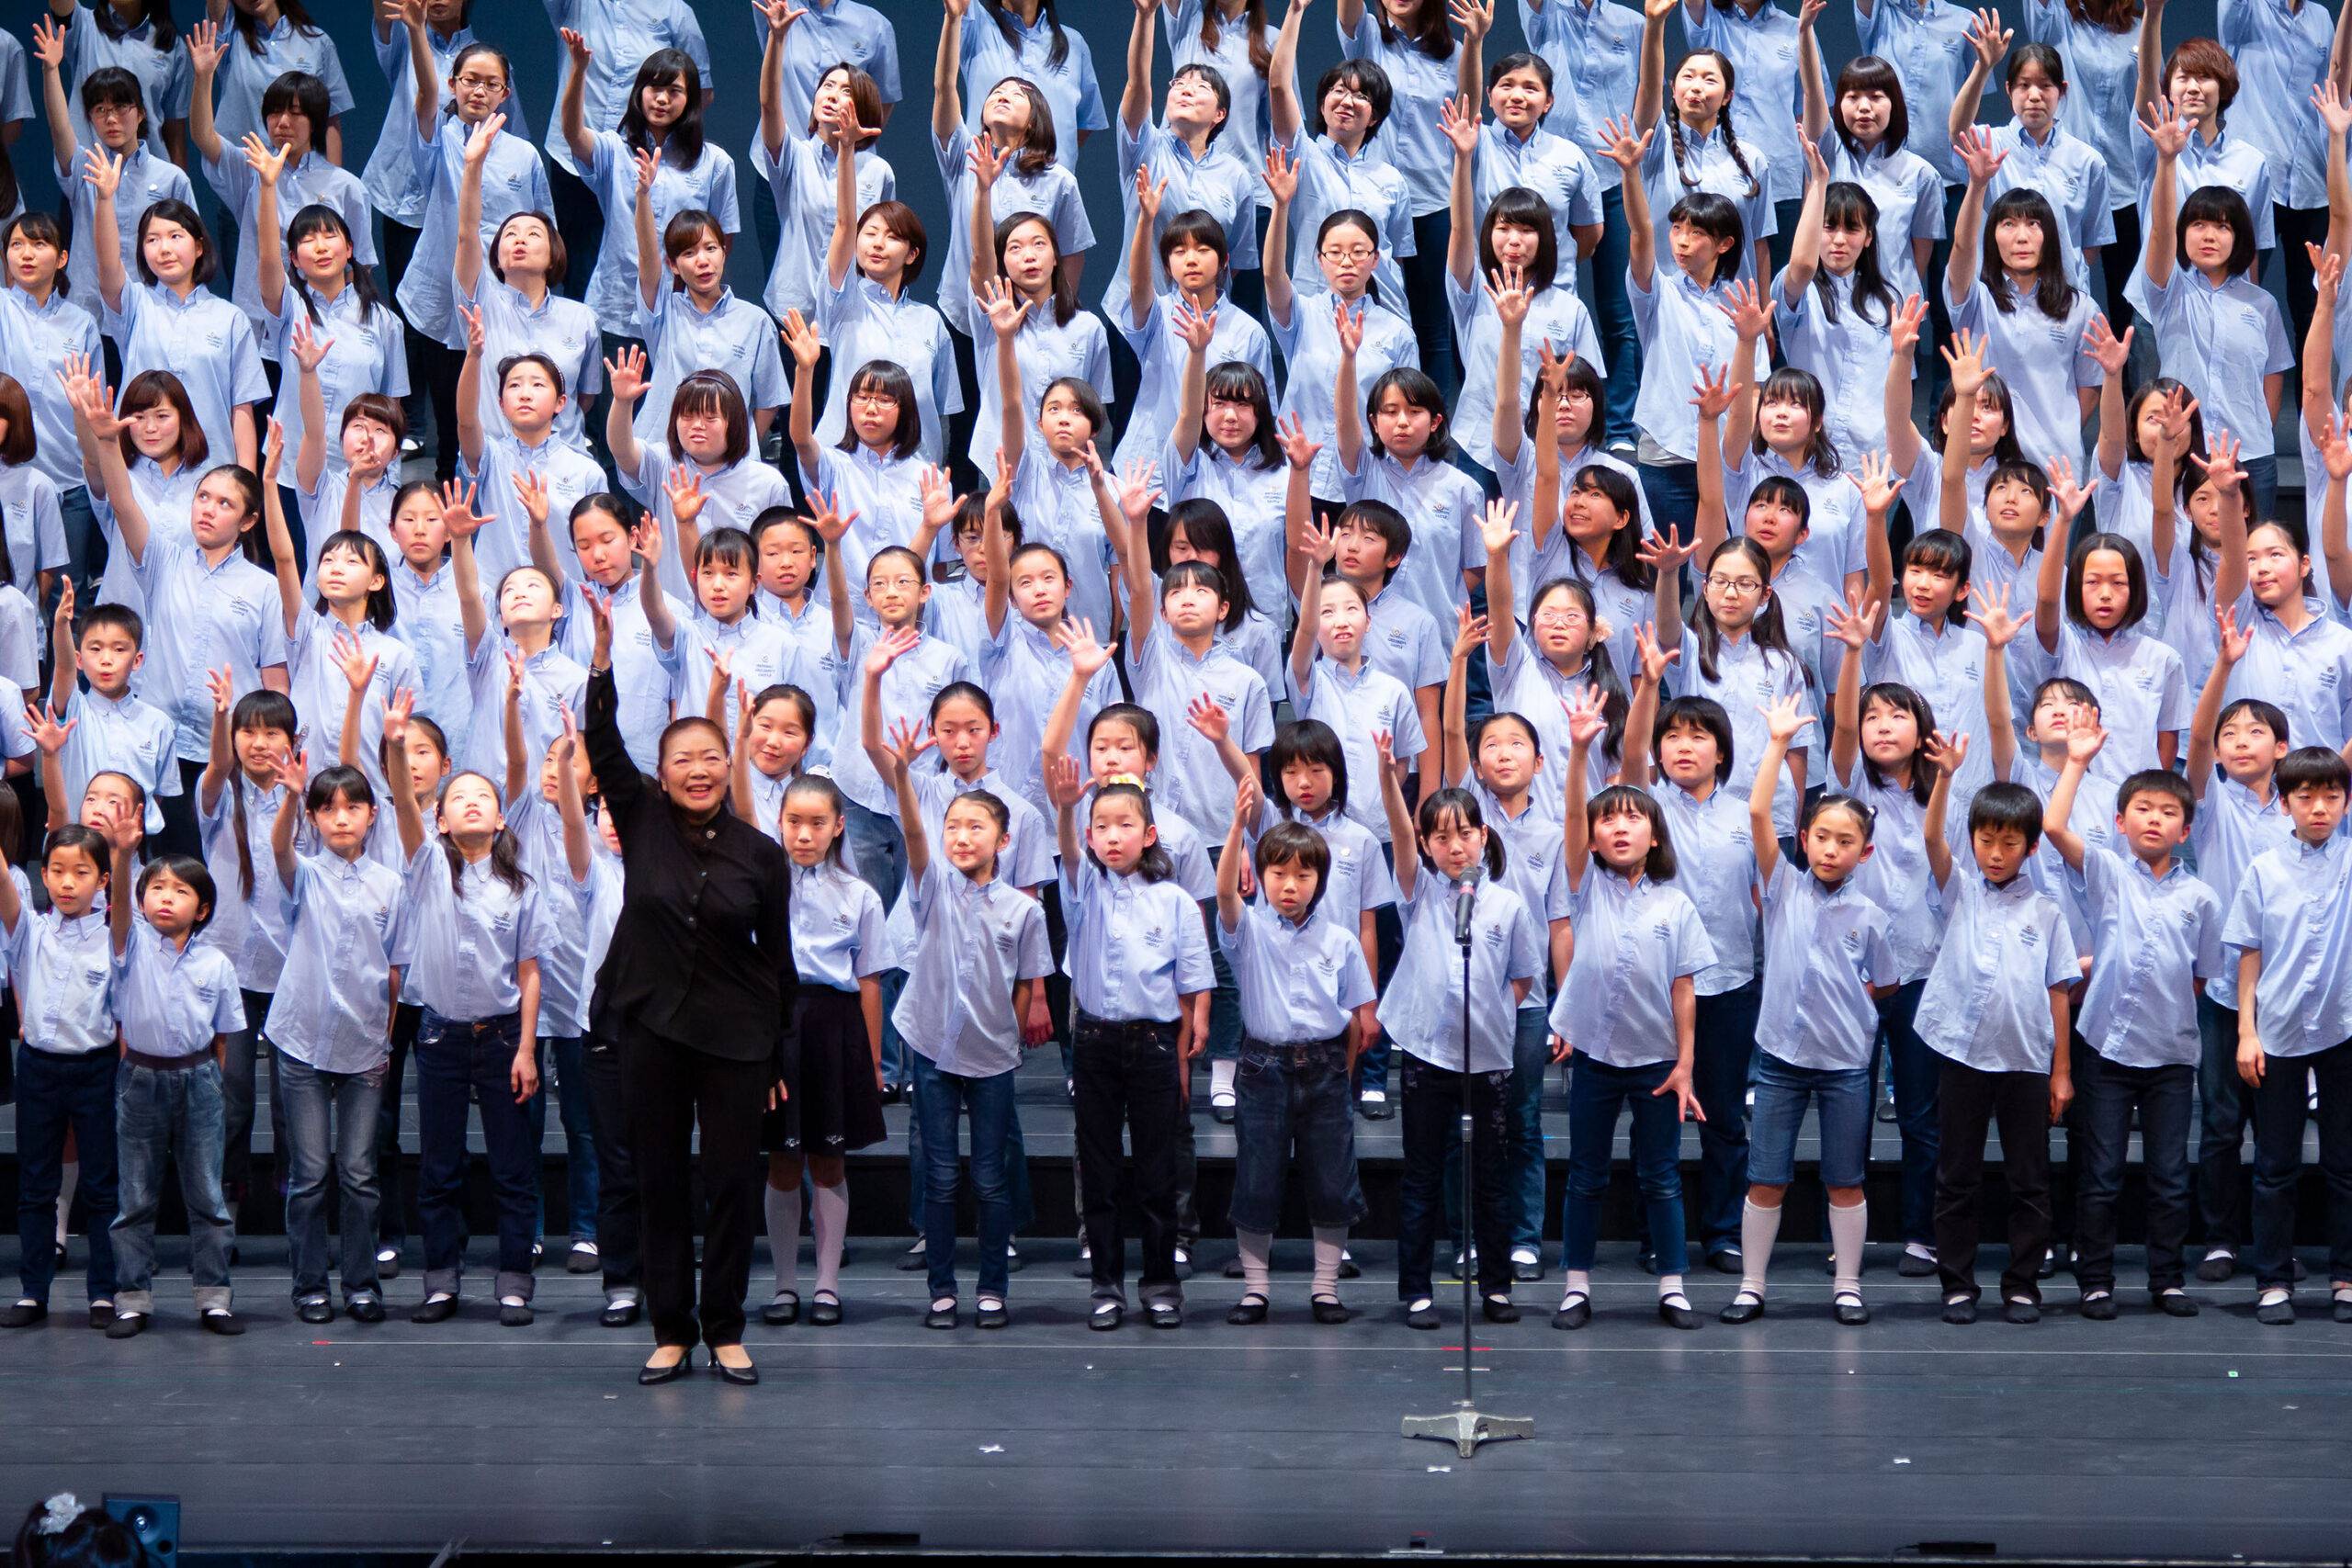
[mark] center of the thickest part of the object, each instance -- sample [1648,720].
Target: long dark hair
[1845,205]
[154,12]
[1464,807]
[1011,29]
[249,26]
[683,147]
[1239,381]
[1210,532]
[2052,294]
[1790,385]
[1767,629]
[505,853]
[1869,73]
[1427,32]
[1154,864]
[383,609]
[1600,669]
[1723,122]
[1897,694]
[316,218]
[1623,557]
[1253,26]
[258,709]
[1065,293]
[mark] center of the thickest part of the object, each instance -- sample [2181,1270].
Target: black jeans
[1434,1103]
[671,1091]
[581,216]
[1126,1074]
[400,248]
[2279,1108]
[2225,1108]
[2105,1096]
[2296,227]
[1917,1072]
[57,1095]
[458,1060]
[391,1215]
[618,1208]
[1723,1052]
[1967,1102]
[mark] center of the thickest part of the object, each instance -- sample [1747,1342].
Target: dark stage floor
[2145,1438]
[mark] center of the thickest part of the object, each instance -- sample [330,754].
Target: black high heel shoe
[743,1376]
[649,1376]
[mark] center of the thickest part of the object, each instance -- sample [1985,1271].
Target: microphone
[1465,899]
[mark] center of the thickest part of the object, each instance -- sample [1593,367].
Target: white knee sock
[1257,1257]
[783,1236]
[1329,1242]
[1221,1077]
[1759,1227]
[828,1209]
[1848,1228]
[71,1178]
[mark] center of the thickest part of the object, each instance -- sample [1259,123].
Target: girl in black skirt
[836,1102]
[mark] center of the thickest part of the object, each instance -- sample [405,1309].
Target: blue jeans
[1388,947]
[880,848]
[2105,1097]
[1436,1099]
[1425,297]
[1783,1091]
[939,1098]
[330,1121]
[84,542]
[173,1111]
[2263,474]
[1620,340]
[55,1094]
[1723,1058]
[2279,1111]
[577,1108]
[1673,490]
[1293,1100]
[1918,1074]
[1016,1167]
[2225,1109]
[1597,1094]
[458,1062]
[1224,1001]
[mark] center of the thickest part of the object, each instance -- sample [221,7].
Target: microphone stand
[1464,1426]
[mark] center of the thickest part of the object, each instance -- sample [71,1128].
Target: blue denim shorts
[1843,1098]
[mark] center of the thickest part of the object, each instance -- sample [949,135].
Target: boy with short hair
[1995,1009]
[2291,924]
[2157,939]
[107,728]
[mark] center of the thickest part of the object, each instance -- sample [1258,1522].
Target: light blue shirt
[1714,869]
[2072,177]
[734,335]
[1216,183]
[611,173]
[810,632]
[836,927]
[2141,690]
[43,336]
[1910,196]
[1023,861]
[1191,781]
[1050,192]
[2232,828]
[432,623]
[313,182]
[2307,673]
[333,1004]
[390,176]
[1945,665]
[1310,348]
[1535,868]
[974,941]
[553,681]
[1047,351]
[1403,640]
[989,57]
[2044,360]
[882,495]
[1535,689]
[907,686]
[758,654]
[62,972]
[1247,121]
[1762,47]
[1298,984]
[119,735]
[1837,540]
[1549,164]
[1824,949]
[321,507]
[1057,506]
[2280,50]
[2229,160]
[1707,164]
[1634,941]
[166,81]
[1684,332]
[1410,140]
[1136,948]
[1986,1004]
[562,329]
[1253,498]
[1330,181]
[147,178]
[1163,354]
[1895,877]
[2102,84]
[1421,1009]
[2292,908]
[322,692]
[1359,881]
[801,178]
[1747,678]
[644,673]
[1848,356]
[201,618]
[864,324]
[2152,940]
[1927,42]
[34,528]
[1595,54]
[513,181]
[735,495]
[250,930]
[829,33]
[620,34]
[203,340]
[369,355]
[1358,705]
[170,1000]
[1623,606]
[2221,342]
[247,69]
[1556,316]
[1024,673]
[569,473]
[458,951]
[1443,505]
[169,500]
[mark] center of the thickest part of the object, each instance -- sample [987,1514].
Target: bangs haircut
[377,408]
[1238,381]
[383,609]
[1999,807]
[1196,228]
[704,393]
[889,379]
[1714,215]
[2053,291]
[2004,448]
[681,147]
[2158,780]
[2135,572]
[112,88]
[1869,73]
[2311,767]
[2267,715]
[1463,806]
[1520,207]
[1083,392]
[809,786]
[1313,743]
[1522,60]
[727,547]
[189,872]
[1296,843]
[900,221]
[1210,532]
[154,389]
[300,93]
[1623,800]
[1379,517]
[1802,388]
[1153,864]
[1418,392]
[1695,712]
[1623,556]
[865,95]
[1850,206]
[341,782]
[1065,293]
[962,691]
[1358,75]
[1040,143]
[2053,63]
[1945,554]
[2204,56]
[1218,85]
[514,362]
[559,257]
[1839,800]
[2035,477]
[793,697]
[2218,204]
[1140,719]
[684,232]
[171,209]
[1896,695]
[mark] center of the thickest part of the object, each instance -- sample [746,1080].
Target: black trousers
[1126,1073]
[400,247]
[391,1213]
[670,1090]
[617,1209]
[1967,1102]
[2105,1097]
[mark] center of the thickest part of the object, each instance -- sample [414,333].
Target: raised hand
[1903,330]
[41,722]
[1471,632]
[273,454]
[1006,308]
[1282,176]
[889,646]
[1878,481]
[1666,552]
[1318,544]
[1495,530]
[1076,636]
[2111,352]
[2230,642]
[1999,627]
[1619,145]
[2174,414]
[458,513]
[1291,432]
[1197,328]
[2084,738]
[906,742]
[2221,470]
[1713,392]
[1065,785]
[48,43]
[1586,719]
[626,376]
[1458,119]
[1853,628]
[830,523]
[1785,718]
[1147,194]
[1966,358]
[1508,288]
[482,139]
[985,162]
[205,48]
[1946,752]
[576,45]
[309,349]
[224,693]
[800,340]
[2070,496]
[1749,309]
[1204,713]
[683,487]
[1652,659]
[101,172]
[648,168]
[358,665]
[1136,492]
[267,162]
[1350,327]
[396,714]
[2335,109]
[531,491]
[1989,39]
[2162,125]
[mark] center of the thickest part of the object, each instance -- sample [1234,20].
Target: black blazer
[702,952]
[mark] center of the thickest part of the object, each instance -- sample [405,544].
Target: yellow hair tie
[1125,778]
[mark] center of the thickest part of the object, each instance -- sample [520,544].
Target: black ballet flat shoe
[318,1309]
[2021,1310]
[992,1315]
[1348,1269]
[741,1377]
[1726,1260]
[2175,1303]
[2099,1307]
[1107,1318]
[1498,1309]
[649,1376]
[1233,1270]
[1248,1310]
[618,1315]
[1422,1315]
[1744,1308]
[2054,1256]
[2343,1310]
[1850,1310]
[24,1315]
[1575,1313]
[515,1314]
[126,1325]
[1911,1266]
[824,1310]
[364,1309]
[221,1322]
[2275,1314]
[1676,1315]
[387,1263]
[2217,1267]
[101,1315]
[1328,1309]
[1960,1309]
[783,1311]
[439,1309]
[1014,1261]
[940,1316]
[1221,1114]
[1159,1315]
[914,1259]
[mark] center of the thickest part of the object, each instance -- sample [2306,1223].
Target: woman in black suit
[700,988]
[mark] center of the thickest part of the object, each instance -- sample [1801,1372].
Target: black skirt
[835,1105]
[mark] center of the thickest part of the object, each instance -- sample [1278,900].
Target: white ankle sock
[1580,1283]
[1669,1285]
[829,1211]
[1221,1078]
[783,1236]
[1257,1253]
[70,1177]
[1848,1228]
[1329,1242]
[1759,1227]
